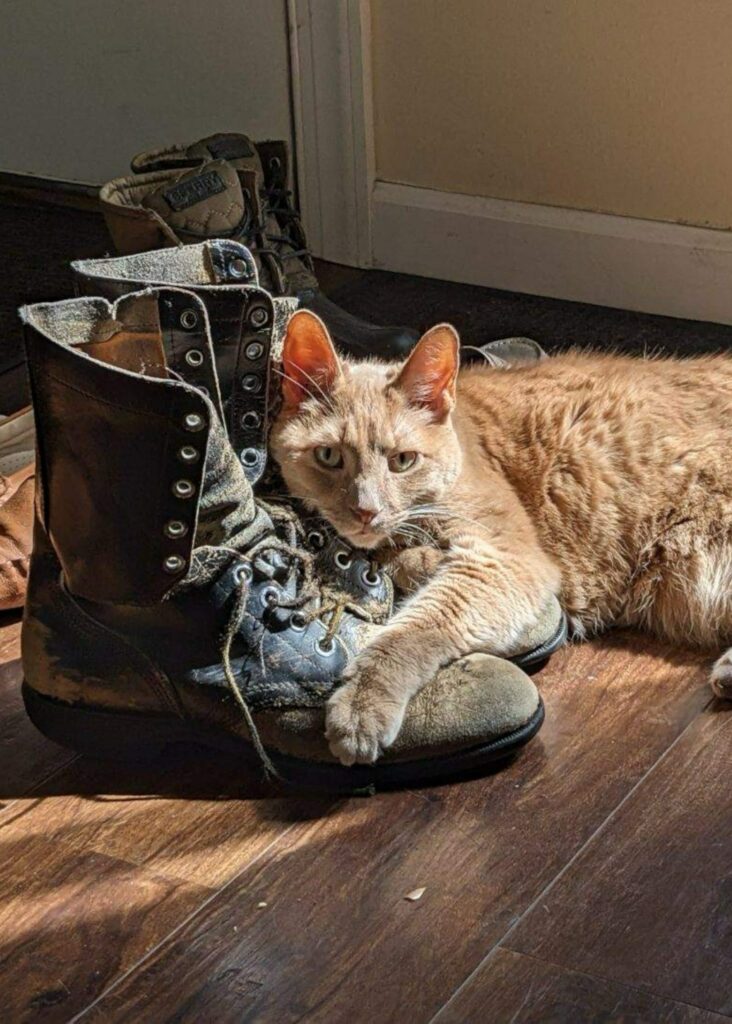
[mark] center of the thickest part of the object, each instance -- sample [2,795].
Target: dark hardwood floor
[590,880]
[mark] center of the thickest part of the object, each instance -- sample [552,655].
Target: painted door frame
[333,119]
[355,219]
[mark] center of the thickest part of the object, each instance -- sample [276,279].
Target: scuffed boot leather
[227,186]
[166,605]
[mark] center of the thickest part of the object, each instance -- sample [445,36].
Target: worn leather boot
[166,605]
[246,328]
[227,186]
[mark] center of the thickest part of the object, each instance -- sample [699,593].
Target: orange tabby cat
[606,480]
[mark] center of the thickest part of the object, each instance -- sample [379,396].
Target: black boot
[227,186]
[166,606]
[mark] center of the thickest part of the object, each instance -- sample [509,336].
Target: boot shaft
[247,327]
[134,468]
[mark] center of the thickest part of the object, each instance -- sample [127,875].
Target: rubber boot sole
[138,738]
[532,661]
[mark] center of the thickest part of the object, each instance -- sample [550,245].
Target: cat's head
[367,444]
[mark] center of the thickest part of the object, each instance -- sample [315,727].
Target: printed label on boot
[231,147]
[194,190]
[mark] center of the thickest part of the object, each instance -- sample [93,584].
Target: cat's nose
[364,515]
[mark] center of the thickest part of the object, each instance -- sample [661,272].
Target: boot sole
[114,735]
[532,661]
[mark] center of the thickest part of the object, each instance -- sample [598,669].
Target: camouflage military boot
[227,186]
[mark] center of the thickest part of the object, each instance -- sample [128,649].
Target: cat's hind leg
[686,597]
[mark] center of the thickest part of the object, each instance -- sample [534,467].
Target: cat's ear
[428,377]
[309,361]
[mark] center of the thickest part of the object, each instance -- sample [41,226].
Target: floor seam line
[560,874]
[28,794]
[610,981]
[181,925]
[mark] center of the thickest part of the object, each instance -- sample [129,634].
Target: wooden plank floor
[590,880]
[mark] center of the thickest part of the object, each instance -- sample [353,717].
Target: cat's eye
[400,462]
[328,456]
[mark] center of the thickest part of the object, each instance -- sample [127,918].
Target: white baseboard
[643,265]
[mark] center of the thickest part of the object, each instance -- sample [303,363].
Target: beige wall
[620,106]
[85,84]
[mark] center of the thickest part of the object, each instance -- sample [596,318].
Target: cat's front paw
[362,720]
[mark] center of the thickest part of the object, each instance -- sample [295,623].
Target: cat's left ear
[309,361]
[428,377]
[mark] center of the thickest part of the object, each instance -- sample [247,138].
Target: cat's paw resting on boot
[365,714]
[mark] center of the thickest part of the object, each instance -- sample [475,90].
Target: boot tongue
[202,203]
[227,512]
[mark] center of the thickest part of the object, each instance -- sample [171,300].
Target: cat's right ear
[309,361]
[429,374]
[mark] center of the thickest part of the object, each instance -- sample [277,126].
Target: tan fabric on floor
[16,518]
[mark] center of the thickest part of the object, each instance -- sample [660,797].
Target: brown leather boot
[166,606]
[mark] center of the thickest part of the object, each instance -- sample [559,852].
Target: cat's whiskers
[307,498]
[443,512]
[414,532]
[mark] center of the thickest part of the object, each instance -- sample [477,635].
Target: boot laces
[282,247]
[278,202]
[311,600]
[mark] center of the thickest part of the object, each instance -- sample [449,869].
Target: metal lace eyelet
[184,489]
[251,420]
[174,564]
[269,597]
[238,268]
[275,163]
[316,540]
[325,647]
[259,317]
[188,319]
[242,573]
[343,560]
[370,579]
[254,351]
[188,454]
[194,421]
[194,357]
[249,457]
[175,529]
[251,382]
[298,622]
